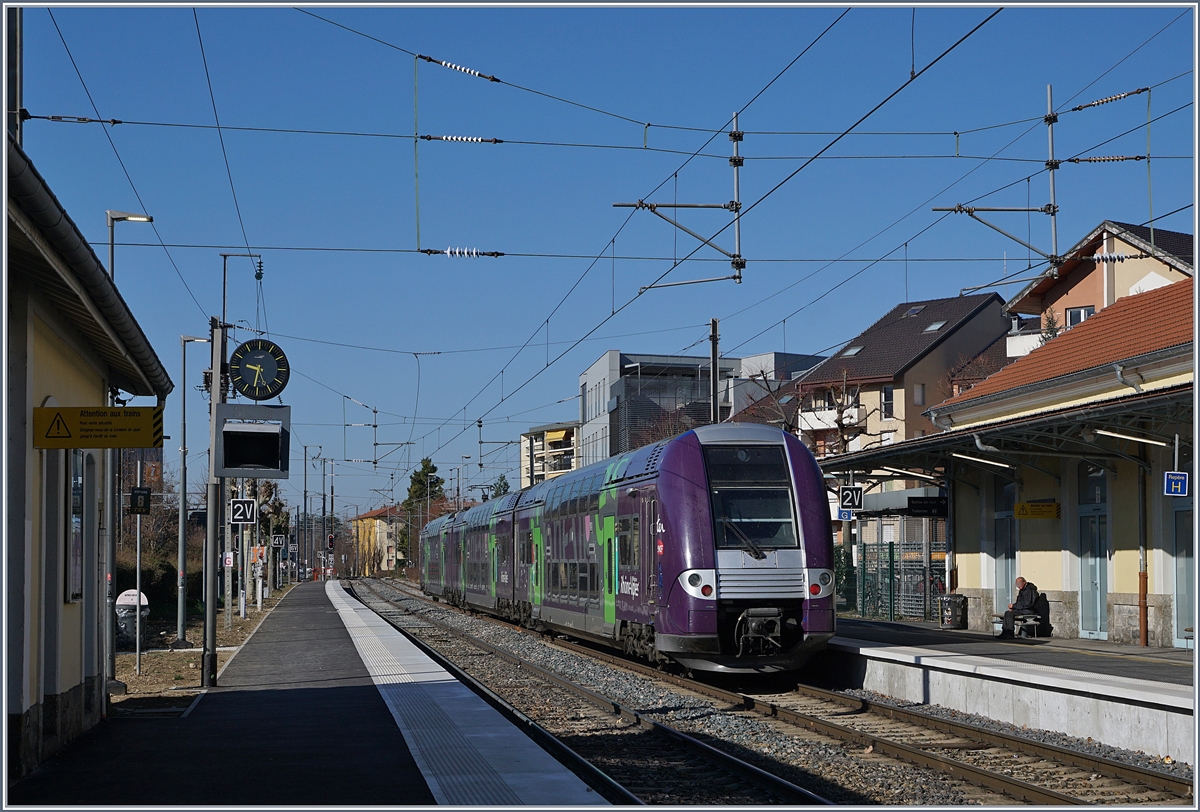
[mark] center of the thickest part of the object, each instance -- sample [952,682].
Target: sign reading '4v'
[850,497]
[243,511]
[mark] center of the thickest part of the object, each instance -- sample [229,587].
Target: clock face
[258,369]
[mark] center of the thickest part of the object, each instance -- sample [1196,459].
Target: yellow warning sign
[1037,510]
[97,427]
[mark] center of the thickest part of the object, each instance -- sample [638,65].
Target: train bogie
[712,549]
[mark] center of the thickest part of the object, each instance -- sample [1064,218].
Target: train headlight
[825,578]
[700,584]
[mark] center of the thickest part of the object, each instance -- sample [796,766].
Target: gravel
[845,775]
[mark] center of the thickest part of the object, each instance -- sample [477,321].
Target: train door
[630,578]
[652,564]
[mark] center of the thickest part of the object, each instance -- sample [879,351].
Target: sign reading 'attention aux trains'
[97,427]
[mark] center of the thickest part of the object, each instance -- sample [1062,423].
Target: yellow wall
[966,533]
[1123,533]
[1038,537]
[58,371]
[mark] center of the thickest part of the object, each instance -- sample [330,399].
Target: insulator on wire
[1108,99]
[470,253]
[452,66]
[1106,159]
[468,139]
[1116,257]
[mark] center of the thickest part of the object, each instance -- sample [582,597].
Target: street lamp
[181,640]
[112,508]
[113,217]
[458,482]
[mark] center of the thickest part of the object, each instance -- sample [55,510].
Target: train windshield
[751,497]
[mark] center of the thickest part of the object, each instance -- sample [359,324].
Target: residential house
[1114,260]
[549,451]
[875,389]
[375,534]
[70,337]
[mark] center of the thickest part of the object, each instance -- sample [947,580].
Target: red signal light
[706,590]
[814,589]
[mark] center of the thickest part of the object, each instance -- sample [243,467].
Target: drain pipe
[1120,368]
[1143,576]
[980,445]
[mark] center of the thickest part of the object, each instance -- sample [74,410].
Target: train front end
[747,561]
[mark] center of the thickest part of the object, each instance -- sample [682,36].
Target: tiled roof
[898,340]
[1178,245]
[379,513]
[1133,325]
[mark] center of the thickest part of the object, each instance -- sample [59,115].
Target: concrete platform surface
[1165,665]
[322,706]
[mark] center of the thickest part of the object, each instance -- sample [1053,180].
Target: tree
[1050,326]
[500,486]
[424,484]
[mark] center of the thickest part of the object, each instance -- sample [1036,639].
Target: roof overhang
[1026,441]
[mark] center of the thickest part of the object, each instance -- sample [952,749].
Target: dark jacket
[1026,599]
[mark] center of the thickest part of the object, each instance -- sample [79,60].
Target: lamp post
[112,506]
[181,640]
[458,482]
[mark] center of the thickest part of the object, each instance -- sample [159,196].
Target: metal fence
[901,568]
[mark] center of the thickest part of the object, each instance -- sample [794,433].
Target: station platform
[324,705]
[1125,696]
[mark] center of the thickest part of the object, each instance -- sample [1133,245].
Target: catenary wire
[128,178]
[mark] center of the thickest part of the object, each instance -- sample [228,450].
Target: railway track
[634,759]
[1019,768]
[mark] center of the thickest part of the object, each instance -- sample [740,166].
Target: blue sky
[547,202]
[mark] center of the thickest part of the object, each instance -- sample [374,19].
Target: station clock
[258,369]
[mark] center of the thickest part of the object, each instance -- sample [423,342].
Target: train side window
[584,578]
[612,565]
[624,553]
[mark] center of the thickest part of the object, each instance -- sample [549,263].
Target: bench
[1033,623]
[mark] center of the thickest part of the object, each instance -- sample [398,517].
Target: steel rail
[1108,767]
[791,793]
[1152,779]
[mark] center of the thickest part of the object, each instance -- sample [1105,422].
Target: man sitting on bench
[1027,596]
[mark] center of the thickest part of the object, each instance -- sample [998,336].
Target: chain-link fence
[901,569]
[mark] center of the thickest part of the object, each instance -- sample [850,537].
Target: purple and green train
[712,549]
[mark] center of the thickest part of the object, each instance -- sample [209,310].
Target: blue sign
[845,515]
[1175,483]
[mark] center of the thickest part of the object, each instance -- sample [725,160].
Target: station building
[1064,468]
[70,338]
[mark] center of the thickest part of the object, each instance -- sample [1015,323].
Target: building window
[1078,315]
[885,402]
[919,394]
[933,328]
[852,351]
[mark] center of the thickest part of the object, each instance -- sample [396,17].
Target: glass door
[1004,530]
[1093,552]
[1185,585]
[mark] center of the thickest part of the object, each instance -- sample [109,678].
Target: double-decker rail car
[712,549]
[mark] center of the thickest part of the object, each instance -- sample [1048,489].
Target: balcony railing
[823,419]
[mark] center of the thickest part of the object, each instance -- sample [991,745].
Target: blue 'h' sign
[1175,483]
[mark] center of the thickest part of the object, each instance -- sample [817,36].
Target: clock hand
[257,372]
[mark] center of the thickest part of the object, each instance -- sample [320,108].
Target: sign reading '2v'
[850,497]
[242,511]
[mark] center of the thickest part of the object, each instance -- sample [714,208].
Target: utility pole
[216,492]
[714,377]
[324,522]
